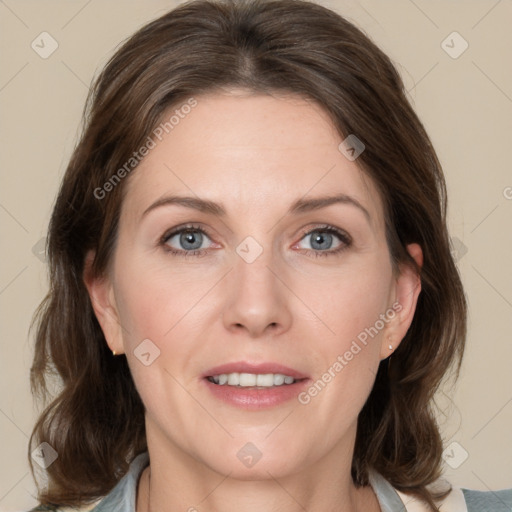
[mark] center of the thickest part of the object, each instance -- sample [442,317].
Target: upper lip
[261,368]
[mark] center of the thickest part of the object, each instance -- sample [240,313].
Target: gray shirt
[122,498]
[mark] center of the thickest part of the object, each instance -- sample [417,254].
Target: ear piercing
[114,352]
[390,347]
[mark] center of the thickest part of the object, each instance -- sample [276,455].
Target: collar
[122,498]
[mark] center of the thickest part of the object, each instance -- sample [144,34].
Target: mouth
[254,386]
[253,380]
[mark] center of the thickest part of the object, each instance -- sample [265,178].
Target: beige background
[465,103]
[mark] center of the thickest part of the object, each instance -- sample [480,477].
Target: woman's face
[267,273]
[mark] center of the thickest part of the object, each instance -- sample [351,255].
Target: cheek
[151,299]
[350,301]
[351,306]
[348,355]
[154,299]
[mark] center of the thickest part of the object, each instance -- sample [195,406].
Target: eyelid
[345,240]
[344,237]
[176,230]
[184,227]
[342,234]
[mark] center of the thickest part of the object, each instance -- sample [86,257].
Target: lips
[261,368]
[255,397]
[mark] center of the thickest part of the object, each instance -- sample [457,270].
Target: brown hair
[96,420]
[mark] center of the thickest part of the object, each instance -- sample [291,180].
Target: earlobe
[407,290]
[103,303]
[417,253]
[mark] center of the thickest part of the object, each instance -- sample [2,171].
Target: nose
[258,299]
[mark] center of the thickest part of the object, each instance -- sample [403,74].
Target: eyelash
[331,230]
[176,231]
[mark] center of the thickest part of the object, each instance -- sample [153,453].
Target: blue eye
[322,240]
[189,240]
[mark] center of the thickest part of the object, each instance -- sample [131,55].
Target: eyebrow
[307,205]
[300,206]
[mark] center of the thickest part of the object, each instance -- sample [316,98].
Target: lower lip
[254,398]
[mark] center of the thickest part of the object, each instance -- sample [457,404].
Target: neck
[324,485]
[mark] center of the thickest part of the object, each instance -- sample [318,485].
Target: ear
[406,292]
[102,298]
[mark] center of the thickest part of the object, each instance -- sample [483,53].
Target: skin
[256,155]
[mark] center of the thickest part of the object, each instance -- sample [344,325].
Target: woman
[252,298]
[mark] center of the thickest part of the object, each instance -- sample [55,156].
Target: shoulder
[461,500]
[55,508]
[121,499]
[492,501]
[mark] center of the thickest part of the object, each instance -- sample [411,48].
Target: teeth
[247,379]
[233,379]
[279,379]
[266,380]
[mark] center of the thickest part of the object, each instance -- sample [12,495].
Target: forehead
[251,151]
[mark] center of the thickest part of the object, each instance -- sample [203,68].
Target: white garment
[454,502]
[123,497]
[392,500]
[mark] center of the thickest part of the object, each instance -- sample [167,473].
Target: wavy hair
[95,419]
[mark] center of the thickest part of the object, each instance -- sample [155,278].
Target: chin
[258,461]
